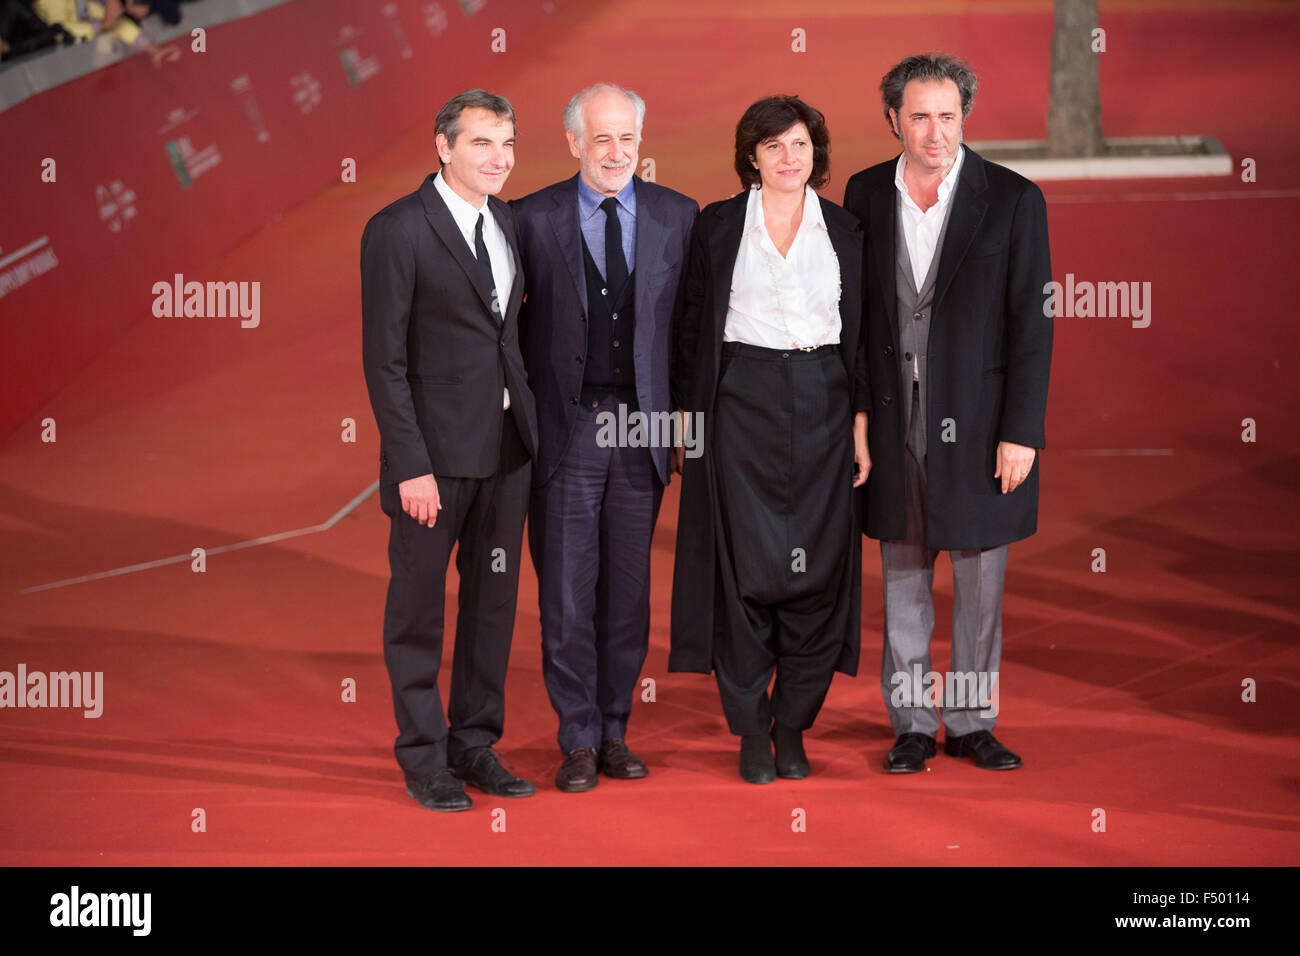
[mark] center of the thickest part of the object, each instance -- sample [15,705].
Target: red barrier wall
[158,170]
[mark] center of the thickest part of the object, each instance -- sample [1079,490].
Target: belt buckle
[810,348]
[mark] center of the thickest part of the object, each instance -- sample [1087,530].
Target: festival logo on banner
[242,86]
[306,92]
[23,265]
[358,68]
[390,11]
[188,162]
[116,204]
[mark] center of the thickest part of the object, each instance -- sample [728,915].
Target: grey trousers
[967,695]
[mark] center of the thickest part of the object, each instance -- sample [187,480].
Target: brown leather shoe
[578,772]
[616,761]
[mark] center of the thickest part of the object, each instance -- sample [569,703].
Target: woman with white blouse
[768,346]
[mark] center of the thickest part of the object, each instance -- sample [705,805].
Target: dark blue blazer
[552,320]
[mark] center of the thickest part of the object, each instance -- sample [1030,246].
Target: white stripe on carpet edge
[220,549]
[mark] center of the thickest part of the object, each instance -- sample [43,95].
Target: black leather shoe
[481,767]
[791,761]
[617,761]
[909,753]
[442,791]
[578,772]
[984,747]
[756,763]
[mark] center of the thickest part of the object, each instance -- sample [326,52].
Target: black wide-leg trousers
[782,447]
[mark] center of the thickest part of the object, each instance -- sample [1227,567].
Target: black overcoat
[697,358]
[989,355]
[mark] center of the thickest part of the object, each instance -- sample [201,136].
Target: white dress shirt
[921,229]
[503,263]
[784,302]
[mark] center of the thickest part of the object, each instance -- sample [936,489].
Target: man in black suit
[958,353]
[603,254]
[441,287]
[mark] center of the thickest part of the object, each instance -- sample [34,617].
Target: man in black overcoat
[958,353]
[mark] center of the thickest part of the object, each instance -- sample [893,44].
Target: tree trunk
[1074,103]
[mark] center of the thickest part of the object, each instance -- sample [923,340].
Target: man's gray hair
[448,121]
[573,120]
[928,66]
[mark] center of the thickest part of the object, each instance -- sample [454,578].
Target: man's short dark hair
[767,119]
[928,66]
[448,121]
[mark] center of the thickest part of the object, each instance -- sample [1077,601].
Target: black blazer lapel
[568,235]
[507,223]
[968,212]
[849,255]
[884,248]
[724,246]
[440,218]
[842,243]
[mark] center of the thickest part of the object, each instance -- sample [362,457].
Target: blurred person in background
[86,19]
[23,32]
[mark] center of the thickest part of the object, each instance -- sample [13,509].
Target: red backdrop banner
[132,174]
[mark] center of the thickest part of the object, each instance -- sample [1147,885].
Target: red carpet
[1121,690]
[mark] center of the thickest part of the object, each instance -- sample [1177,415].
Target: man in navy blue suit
[603,255]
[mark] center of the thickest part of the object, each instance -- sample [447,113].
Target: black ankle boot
[791,761]
[756,765]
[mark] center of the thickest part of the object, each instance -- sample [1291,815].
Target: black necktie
[485,266]
[615,264]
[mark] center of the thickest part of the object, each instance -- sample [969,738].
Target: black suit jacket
[989,355]
[553,319]
[697,359]
[436,358]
